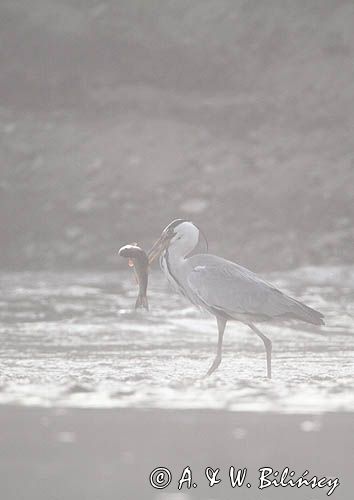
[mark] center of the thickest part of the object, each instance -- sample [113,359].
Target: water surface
[73,340]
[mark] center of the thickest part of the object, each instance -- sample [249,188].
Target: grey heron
[223,288]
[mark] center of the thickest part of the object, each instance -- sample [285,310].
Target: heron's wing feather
[233,290]
[229,290]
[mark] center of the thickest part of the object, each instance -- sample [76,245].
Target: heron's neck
[172,262]
[179,250]
[174,257]
[173,266]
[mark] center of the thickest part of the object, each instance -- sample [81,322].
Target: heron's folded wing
[236,291]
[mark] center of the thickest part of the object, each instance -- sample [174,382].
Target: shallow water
[74,340]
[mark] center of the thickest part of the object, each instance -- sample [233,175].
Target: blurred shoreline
[117,117]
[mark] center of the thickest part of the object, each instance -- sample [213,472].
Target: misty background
[118,116]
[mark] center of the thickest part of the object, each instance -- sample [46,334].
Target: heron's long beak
[158,247]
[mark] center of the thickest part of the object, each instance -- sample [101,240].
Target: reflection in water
[73,339]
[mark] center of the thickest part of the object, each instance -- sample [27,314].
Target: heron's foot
[213,367]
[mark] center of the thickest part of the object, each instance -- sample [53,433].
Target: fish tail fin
[142,301]
[145,303]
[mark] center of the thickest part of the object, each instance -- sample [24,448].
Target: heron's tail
[307,314]
[142,301]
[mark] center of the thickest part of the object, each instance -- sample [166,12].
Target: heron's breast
[168,271]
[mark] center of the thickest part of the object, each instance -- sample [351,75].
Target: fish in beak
[160,245]
[138,259]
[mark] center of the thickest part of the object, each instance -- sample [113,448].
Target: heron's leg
[268,347]
[221,328]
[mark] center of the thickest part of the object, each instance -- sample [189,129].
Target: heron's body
[225,289]
[232,291]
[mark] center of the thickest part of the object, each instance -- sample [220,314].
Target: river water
[72,339]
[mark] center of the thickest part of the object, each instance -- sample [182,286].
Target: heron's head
[180,234]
